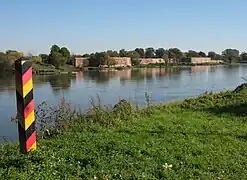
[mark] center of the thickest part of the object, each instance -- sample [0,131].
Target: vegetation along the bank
[60,59]
[198,138]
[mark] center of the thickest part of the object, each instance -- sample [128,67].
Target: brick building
[122,61]
[151,60]
[77,61]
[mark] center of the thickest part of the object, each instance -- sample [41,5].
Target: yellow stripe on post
[29,120]
[25,105]
[27,87]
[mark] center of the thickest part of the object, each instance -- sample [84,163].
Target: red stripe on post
[27,76]
[28,109]
[31,140]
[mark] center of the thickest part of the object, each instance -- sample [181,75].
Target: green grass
[202,138]
[44,68]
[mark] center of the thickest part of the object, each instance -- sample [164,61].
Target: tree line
[57,57]
[228,55]
[62,56]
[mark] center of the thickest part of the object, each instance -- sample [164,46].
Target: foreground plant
[199,138]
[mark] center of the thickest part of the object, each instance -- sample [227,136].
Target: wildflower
[167,166]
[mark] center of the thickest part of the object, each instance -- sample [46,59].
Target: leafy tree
[135,58]
[45,58]
[202,54]
[243,56]
[86,55]
[86,62]
[218,57]
[160,52]
[141,52]
[123,53]
[65,52]
[55,48]
[57,59]
[166,59]
[113,53]
[230,55]
[4,62]
[14,54]
[93,61]
[175,53]
[99,58]
[212,55]
[36,59]
[192,53]
[149,53]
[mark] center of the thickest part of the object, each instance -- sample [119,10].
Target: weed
[199,138]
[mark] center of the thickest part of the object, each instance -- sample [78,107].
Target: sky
[85,26]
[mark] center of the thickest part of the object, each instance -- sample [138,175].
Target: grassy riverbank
[44,68]
[199,138]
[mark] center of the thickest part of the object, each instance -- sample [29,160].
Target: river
[161,84]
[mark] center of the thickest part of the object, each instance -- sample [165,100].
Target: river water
[161,84]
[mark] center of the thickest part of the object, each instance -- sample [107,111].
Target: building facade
[151,60]
[77,61]
[122,61]
[196,60]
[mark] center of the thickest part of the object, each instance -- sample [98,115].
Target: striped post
[25,105]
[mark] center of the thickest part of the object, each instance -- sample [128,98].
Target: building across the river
[199,60]
[151,60]
[122,61]
[78,60]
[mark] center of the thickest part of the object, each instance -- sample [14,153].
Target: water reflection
[163,84]
[64,81]
[60,82]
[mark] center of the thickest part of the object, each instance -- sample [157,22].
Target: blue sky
[96,25]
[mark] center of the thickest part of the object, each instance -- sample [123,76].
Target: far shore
[50,70]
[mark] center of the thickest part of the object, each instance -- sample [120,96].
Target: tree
[212,55]
[4,62]
[15,54]
[86,55]
[57,59]
[135,58]
[99,58]
[230,55]
[192,53]
[175,53]
[166,59]
[141,52]
[36,59]
[86,62]
[55,48]
[45,58]
[123,53]
[202,54]
[65,52]
[160,52]
[243,56]
[113,53]
[149,53]
[93,62]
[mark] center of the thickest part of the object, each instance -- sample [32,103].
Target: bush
[36,59]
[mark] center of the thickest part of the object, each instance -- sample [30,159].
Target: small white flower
[167,166]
